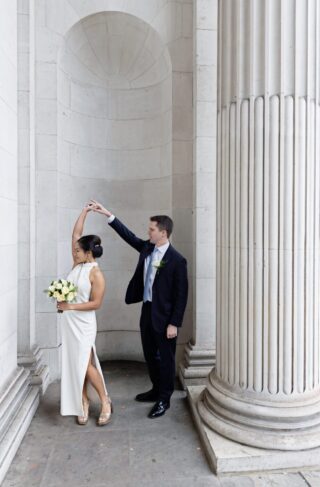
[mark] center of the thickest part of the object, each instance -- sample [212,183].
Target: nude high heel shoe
[82,420]
[105,418]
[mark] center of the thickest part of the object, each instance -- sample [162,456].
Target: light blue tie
[147,294]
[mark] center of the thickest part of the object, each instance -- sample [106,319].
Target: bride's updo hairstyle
[93,243]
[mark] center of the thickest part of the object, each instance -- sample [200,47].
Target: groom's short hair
[163,222]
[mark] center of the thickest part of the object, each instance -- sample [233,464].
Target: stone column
[265,389]
[199,355]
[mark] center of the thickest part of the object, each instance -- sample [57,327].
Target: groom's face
[154,233]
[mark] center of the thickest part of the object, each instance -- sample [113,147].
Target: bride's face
[80,255]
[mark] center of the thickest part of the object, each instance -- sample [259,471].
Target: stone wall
[8,191]
[18,400]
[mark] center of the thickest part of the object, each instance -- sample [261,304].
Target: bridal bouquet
[62,291]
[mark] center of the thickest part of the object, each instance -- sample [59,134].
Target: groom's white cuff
[110,218]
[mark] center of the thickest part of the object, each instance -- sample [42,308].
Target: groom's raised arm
[124,232]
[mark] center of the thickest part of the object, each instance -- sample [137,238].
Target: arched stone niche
[114,120]
[114,102]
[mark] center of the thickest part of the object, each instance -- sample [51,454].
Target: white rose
[56,294]
[64,282]
[51,288]
[59,285]
[54,283]
[156,263]
[60,298]
[65,290]
[70,297]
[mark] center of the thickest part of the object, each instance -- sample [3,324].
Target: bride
[80,365]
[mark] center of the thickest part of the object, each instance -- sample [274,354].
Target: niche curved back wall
[114,144]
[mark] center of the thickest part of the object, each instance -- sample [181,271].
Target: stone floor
[131,451]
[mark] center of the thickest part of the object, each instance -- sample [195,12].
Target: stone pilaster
[29,355]
[39,372]
[199,355]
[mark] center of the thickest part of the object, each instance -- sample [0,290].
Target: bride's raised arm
[78,229]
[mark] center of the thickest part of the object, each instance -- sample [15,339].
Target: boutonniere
[159,264]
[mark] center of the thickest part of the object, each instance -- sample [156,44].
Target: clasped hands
[93,205]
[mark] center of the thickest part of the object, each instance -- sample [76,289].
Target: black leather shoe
[158,409]
[149,396]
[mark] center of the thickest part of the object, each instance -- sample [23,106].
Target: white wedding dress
[78,333]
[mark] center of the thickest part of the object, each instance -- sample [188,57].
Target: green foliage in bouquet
[62,291]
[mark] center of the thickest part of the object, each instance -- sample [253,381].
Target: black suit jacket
[170,286]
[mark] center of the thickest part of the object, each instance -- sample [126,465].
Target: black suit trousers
[159,352]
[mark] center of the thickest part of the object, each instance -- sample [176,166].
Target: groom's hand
[99,208]
[172,331]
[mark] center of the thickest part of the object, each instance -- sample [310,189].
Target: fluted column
[265,388]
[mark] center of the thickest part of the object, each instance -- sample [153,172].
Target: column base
[196,366]
[228,457]
[260,419]
[18,405]
[39,371]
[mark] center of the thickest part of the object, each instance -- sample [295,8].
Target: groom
[160,281]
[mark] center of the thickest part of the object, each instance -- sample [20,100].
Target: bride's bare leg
[82,420]
[84,391]
[96,380]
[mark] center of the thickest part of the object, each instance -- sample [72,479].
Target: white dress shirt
[157,256]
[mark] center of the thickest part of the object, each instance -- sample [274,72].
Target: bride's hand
[63,306]
[99,208]
[88,207]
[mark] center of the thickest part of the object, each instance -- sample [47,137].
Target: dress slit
[91,391]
